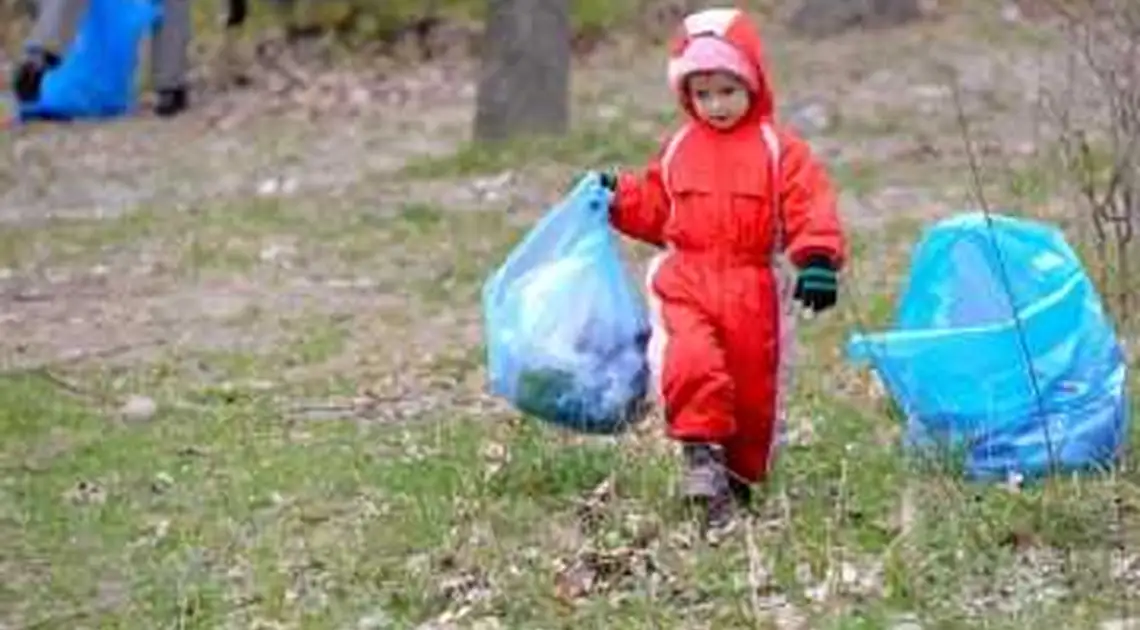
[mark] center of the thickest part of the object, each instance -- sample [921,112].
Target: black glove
[817,285]
[606,178]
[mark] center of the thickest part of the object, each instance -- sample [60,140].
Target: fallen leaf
[575,581]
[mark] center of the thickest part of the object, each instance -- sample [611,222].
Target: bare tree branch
[1100,147]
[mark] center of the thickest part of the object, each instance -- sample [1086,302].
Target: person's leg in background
[236,13]
[52,30]
[29,7]
[170,58]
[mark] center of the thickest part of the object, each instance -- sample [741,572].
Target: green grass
[590,147]
[228,513]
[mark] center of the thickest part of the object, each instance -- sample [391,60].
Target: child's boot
[706,482]
[741,492]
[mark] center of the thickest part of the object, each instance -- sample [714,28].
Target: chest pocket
[693,194]
[692,183]
[752,223]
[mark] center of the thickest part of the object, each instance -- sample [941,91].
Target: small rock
[162,482]
[848,573]
[1025,149]
[609,113]
[269,187]
[931,92]
[360,97]
[1121,624]
[160,528]
[277,186]
[276,252]
[817,593]
[906,622]
[375,621]
[491,188]
[139,408]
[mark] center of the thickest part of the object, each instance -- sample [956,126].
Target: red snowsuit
[722,204]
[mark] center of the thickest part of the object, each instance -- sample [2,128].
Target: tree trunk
[525,82]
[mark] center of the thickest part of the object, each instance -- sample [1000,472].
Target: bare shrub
[1094,112]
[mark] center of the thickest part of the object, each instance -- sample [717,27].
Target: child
[727,192]
[56,23]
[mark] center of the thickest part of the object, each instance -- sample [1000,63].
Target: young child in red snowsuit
[727,193]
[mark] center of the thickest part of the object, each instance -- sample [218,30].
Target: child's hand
[817,285]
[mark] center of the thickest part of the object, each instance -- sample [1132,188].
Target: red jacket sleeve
[810,205]
[640,206]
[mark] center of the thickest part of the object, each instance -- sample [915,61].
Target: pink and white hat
[716,39]
[708,53]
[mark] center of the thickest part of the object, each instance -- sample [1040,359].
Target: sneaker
[706,483]
[29,74]
[171,102]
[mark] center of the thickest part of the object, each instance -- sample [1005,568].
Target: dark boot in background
[29,74]
[170,58]
[171,102]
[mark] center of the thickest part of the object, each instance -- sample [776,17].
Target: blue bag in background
[566,329]
[96,78]
[958,363]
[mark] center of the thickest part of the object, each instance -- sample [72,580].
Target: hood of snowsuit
[736,28]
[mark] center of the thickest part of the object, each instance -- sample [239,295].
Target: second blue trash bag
[566,329]
[97,76]
[958,362]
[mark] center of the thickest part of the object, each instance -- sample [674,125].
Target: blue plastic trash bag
[566,329]
[96,78]
[958,362]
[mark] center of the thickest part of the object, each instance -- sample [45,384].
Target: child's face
[719,98]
